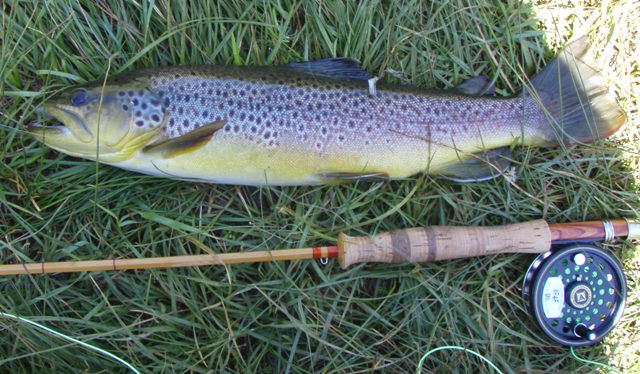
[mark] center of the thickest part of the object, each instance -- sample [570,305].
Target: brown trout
[322,121]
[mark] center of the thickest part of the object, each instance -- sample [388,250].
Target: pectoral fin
[345,177]
[479,168]
[186,143]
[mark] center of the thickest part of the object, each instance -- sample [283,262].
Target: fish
[322,122]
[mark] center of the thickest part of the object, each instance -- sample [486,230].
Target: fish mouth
[39,129]
[68,122]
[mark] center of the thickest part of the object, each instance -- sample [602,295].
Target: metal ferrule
[634,229]
[609,230]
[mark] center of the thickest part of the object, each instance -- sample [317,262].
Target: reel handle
[437,243]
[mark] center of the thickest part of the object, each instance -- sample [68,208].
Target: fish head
[106,122]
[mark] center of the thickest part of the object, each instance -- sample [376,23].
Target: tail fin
[574,98]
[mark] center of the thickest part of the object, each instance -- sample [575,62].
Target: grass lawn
[296,316]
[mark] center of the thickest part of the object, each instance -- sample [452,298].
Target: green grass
[300,316]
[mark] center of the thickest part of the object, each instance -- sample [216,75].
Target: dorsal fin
[477,86]
[334,68]
[186,143]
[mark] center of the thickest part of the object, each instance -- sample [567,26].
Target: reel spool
[576,294]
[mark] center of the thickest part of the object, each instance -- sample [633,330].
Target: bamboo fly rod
[432,243]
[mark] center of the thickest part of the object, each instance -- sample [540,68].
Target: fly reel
[576,294]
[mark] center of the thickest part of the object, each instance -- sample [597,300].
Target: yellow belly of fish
[238,161]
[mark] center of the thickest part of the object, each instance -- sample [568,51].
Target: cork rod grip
[437,243]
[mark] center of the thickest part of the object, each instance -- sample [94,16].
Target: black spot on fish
[154,102]
[236,128]
[121,93]
[139,123]
[144,105]
[185,123]
[242,116]
[205,113]
[251,117]
[180,110]
[155,118]
[138,113]
[125,107]
[136,102]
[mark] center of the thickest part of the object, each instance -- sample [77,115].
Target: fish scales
[295,113]
[319,122]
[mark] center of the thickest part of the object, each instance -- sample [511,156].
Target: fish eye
[79,97]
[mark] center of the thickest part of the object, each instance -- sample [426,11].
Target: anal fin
[186,143]
[345,177]
[480,167]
